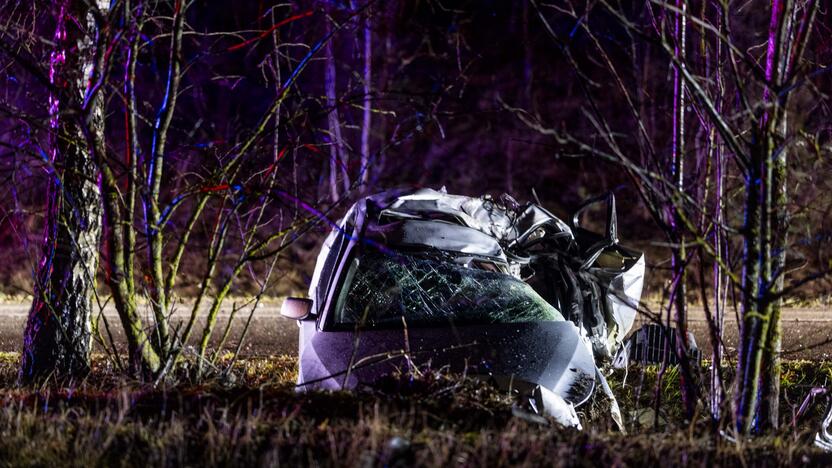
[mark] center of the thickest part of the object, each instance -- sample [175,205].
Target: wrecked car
[487,287]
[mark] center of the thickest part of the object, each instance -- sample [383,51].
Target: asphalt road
[268,333]
[807,331]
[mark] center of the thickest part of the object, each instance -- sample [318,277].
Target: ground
[427,420]
[252,415]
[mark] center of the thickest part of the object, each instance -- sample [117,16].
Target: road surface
[267,334]
[807,331]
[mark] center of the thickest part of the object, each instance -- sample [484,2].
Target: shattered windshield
[381,288]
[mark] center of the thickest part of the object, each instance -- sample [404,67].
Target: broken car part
[476,285]
[656,344]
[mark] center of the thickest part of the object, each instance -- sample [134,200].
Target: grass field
[257,419]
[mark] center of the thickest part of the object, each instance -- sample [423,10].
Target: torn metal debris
[477,285]
[656,344]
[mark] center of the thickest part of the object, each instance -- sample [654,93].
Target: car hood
[550,354]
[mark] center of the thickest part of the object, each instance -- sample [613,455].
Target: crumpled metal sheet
[625,292]
[501,230]
[410,255]
[823,438]
[482,214]
[540,402]
[448,237]
[542,353]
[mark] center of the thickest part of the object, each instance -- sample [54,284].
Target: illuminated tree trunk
[119,215]
[160,302]
[767,224]
[679,253]
[57,337]
[790,43]
[716,382]
[748,370]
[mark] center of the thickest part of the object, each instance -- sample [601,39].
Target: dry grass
[257,419]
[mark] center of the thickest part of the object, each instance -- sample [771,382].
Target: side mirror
[296,308]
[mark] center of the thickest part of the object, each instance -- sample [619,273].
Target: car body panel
[561,356]
[550,354]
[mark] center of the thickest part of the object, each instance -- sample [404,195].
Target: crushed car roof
[493,287]
[506,232]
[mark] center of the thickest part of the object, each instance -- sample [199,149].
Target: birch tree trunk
[58,330]
[679,253]
[716,385]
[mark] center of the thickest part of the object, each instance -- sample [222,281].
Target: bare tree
[679,254]
[228,194]
[58,332]
[749,129]
[760,352]
[164,211]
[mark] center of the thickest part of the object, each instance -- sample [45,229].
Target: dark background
[443,72]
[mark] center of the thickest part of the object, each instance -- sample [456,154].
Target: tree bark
[155,237]
[58,330]
[777,68]
[679,254]
[750,329]
[717,392]
[759,366]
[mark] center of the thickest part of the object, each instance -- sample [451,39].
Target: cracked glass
[382,287]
